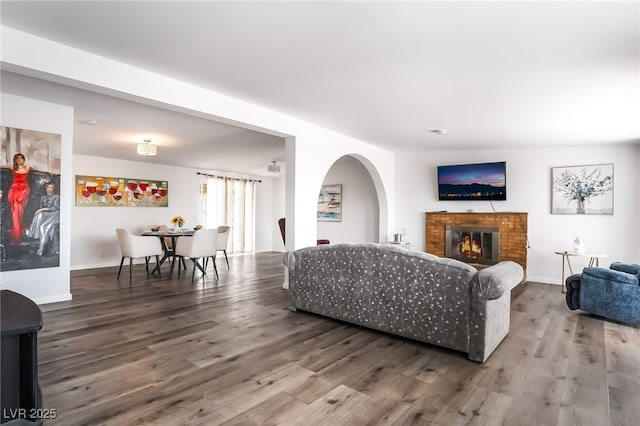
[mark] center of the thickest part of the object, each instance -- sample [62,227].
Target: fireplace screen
[473,244]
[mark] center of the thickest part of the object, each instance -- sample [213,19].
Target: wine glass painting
[103,191]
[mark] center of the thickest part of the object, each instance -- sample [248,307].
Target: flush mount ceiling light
[439,131]
[147,148]
[273,167]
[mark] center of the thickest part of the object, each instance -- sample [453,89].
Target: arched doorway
[359,219]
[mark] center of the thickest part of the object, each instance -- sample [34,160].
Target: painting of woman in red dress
[30,160]
[18,196]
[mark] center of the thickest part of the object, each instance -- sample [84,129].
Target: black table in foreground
[21,399]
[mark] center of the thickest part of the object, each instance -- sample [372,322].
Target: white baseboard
[545,280]
[52,299]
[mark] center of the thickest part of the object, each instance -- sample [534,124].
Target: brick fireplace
[473,244]
[507,240]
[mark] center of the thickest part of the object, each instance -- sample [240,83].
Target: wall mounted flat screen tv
[480,181]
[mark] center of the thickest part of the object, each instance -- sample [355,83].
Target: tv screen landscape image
[480,181]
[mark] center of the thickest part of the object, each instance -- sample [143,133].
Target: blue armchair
[612,293]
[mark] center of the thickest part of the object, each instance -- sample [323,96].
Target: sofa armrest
[490,307]
[573,291]
[289,260]
[492,282]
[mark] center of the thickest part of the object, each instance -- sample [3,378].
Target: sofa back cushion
[605,276]
[629,268]
[411,294]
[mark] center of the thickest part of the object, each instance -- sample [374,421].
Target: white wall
[93,237]
[47,284]
[314,155]
[529,190]
[360,218]
[311,150]
[279,199]
[270,206]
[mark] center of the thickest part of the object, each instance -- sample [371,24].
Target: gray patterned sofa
[435,300]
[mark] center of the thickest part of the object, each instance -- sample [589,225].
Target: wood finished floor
[228,352]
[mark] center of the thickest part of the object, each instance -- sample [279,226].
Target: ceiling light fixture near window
[147,148]
[273,167]
[439,131]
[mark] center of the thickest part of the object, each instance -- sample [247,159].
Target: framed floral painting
[582,189]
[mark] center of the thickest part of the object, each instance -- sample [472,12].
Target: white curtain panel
[231,202]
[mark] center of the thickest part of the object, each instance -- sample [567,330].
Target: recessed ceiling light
[439,131]
[91,122]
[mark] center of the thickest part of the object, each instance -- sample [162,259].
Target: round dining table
[167,252]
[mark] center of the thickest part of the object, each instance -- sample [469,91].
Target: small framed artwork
[582,189]
[330,203]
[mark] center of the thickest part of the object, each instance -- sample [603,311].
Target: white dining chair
[223,241]
[137,246]
[202,245]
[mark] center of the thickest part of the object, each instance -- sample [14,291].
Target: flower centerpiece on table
[178,220]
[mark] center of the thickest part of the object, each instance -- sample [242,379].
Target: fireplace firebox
[472,244]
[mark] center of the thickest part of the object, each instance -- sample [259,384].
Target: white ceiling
[494,74]
[183,140]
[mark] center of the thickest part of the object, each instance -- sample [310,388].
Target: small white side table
[402,244]
[594,259]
